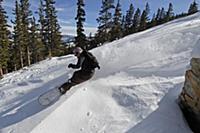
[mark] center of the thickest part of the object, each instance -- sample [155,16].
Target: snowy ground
[135,91]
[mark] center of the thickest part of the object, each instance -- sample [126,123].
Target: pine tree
[170,13]
[25,22]
[147,9]
[129,19]
[116,31]
[53,42]
[42,23]
[123,25]
[143,21]
[36,46]
[18,48]
[144,17]
[153,21]
[4,41]
[80,39]
[162,15]
[136,20]
[105,21]
[193,8]
[157,19]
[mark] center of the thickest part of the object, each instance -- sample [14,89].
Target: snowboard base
[49,97]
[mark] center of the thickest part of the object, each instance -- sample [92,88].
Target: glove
[70,65]
[98,67]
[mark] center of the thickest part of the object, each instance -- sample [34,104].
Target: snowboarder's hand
[70,65]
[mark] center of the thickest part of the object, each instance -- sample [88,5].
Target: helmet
[77,50]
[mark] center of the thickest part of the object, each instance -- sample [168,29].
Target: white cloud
[71,30]
[64,22]
[60,9]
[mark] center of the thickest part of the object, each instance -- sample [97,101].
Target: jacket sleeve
[79,63]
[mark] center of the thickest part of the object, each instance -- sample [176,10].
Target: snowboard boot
[65,87]
[62,90]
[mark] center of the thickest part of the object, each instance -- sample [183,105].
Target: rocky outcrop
[190,95]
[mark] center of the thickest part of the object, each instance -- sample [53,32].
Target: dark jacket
[84,63]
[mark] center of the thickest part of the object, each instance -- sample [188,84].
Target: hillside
[135,90]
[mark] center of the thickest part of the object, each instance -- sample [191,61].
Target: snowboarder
[87,62]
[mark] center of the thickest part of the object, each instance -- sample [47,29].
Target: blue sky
[67,10]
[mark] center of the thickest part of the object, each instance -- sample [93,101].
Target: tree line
[31,40]
[114,25]
[34,40]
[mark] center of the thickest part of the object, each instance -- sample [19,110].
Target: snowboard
[49,97]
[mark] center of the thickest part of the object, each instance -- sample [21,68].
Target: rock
[189,99]
[195,65]
[192,82]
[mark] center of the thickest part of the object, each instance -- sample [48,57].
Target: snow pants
[77,78]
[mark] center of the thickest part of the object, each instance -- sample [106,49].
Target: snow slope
[135,91]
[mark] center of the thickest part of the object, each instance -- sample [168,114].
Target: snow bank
[156,43]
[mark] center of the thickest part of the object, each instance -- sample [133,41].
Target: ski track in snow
[135,91]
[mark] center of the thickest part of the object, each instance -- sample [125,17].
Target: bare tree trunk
[50,53]
[5,71]
[1,73]
[21,59]
[28,56]
[15,68]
